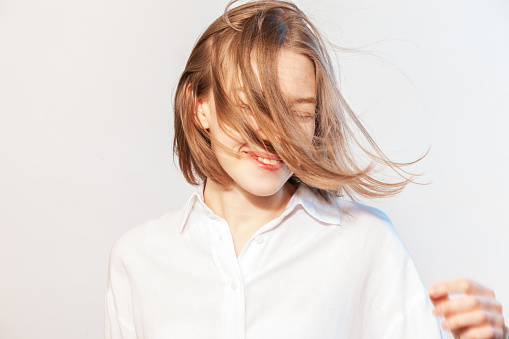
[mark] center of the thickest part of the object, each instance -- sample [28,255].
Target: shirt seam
[124,323]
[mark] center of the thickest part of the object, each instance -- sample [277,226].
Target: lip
[263,155]
[253,157]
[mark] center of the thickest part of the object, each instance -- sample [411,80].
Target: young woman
[265,247]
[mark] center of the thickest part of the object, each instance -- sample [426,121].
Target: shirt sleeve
[115,327]
[399,306]
[416,322]
[119,317]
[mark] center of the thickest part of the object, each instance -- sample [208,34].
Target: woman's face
[252,168]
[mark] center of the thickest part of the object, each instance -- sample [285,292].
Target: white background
[86,137]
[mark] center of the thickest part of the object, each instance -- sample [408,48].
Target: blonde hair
[221,62]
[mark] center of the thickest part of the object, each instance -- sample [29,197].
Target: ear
[203,112]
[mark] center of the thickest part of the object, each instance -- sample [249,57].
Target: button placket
[223,252]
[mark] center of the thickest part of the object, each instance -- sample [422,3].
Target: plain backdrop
[86,137]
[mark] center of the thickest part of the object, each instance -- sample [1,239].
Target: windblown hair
[223,61]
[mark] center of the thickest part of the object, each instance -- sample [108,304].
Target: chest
[276,288]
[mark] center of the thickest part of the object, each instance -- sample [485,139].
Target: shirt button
[233,285]
[259,239]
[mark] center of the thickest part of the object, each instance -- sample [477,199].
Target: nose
[255,126]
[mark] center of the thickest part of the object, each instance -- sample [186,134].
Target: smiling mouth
[268,161]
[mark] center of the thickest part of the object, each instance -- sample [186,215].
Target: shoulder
[139,238]
[363,217]
[371,231]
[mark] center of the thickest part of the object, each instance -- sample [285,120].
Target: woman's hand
[476,314]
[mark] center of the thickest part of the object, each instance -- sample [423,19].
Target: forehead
[296,77]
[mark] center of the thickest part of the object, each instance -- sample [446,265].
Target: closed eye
[305,116]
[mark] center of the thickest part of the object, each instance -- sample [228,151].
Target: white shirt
[319,270]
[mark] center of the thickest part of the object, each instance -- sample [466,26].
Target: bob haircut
[235,61]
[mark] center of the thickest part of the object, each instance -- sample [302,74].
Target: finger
[439,300]
[472,319]
[459,286]
[484,332]
[447,307]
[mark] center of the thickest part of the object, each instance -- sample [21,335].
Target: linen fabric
[320,270]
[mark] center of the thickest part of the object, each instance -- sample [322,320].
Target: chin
[265,189]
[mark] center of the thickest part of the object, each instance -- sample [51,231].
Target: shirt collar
[314,205]
[304,197]
[196,196]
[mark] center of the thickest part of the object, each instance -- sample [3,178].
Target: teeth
[268,161]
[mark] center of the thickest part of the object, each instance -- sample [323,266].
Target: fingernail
[433,291]
[444,325]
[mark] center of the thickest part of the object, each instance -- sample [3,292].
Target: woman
[265,247]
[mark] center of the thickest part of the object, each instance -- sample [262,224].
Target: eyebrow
[309,100]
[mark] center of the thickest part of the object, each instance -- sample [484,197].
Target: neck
[243,211]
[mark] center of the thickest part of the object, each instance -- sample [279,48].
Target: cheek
[225,141]
[232,135]
[308,131]
[311,132]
